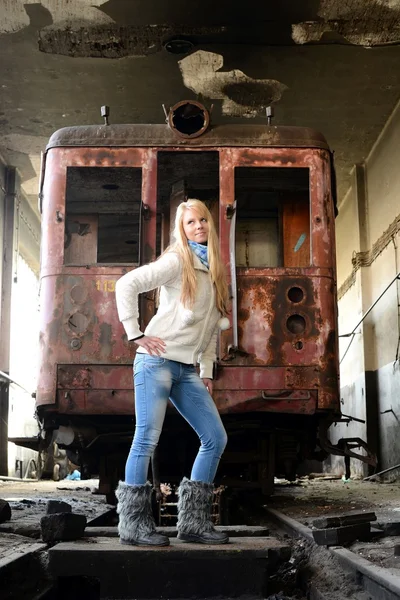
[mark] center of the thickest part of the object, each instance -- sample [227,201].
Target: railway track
[373,582]
[276,561]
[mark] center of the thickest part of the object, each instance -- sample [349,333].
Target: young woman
[193,306]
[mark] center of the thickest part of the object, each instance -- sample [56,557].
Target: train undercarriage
[261,446]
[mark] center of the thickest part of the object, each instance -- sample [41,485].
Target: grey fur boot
[194,513]
[136,522]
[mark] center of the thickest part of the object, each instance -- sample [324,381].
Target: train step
[100,567]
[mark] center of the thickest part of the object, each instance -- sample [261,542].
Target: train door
[267,238]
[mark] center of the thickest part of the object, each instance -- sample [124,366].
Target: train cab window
[102,223]
[183,175]
[272,217]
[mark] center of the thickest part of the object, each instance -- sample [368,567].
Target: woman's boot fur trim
[194,513]
[136,522]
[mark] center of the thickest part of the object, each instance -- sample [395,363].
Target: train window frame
[278,212]
[185,186]
[90,243]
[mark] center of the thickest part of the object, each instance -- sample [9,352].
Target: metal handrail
[353,332]
[12,381]
[232,262]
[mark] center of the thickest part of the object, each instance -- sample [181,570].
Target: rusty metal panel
[79,321]
[322,212]
[266,337]
[79,324]
[267,389]
[296,227]
[95,402]
[245,402]
[53,214]
[262,379]
[96,377]
[270,372]
[264,310]
[162,136]
[266,340]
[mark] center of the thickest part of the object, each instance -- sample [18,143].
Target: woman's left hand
[209,385]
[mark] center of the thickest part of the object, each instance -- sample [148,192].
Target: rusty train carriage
[108,197]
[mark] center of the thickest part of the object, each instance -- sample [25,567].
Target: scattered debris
[62,527]
[337,536]
[345,519]
[342,529]
[77,489]
[57,506]
[324,476]
[74,476]
[388,528]
[5,511]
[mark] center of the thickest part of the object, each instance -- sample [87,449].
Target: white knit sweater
[190,336]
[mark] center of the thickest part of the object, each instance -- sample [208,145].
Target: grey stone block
[342,535]
[389,527]
[5,511]
[57,506]
[62,527]
[351,518]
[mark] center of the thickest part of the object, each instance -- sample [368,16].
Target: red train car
[108,197]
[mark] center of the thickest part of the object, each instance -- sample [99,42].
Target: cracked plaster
[241,96]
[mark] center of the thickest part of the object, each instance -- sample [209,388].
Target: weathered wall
[23,363]
[29,235]
[2,188]
[368,238]
[23,342]
[350,312]
[383,185]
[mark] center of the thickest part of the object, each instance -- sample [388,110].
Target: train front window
[272,217]
[102,223]
[182,175]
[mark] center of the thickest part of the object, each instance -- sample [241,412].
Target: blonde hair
[180,246]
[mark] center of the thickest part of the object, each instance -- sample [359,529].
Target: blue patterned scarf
[201,251]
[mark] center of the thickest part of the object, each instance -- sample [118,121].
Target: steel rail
[381,583]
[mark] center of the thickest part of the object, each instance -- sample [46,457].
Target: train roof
[162,135]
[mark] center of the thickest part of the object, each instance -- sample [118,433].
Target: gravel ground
[311,498]
[28,502]
[304,500]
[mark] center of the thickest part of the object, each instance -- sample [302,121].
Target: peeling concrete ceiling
[328,64]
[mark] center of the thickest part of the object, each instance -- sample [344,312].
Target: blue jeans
[156,380]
